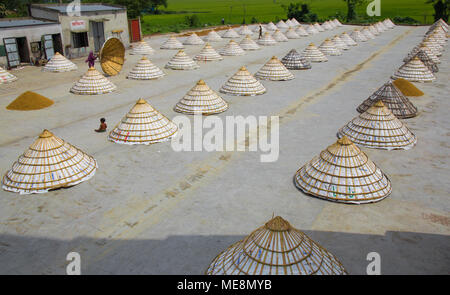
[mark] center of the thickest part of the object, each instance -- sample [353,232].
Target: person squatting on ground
[102,127]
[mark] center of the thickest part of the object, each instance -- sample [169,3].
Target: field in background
[211,12]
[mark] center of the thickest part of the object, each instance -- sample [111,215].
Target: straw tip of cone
[45,134]
[344,141]
[379,104]
[141,101]
[201,82]
[243,68]
[277,224]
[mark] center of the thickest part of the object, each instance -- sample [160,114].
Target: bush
[254,20]
[405,20]
[301,13]
[192,21]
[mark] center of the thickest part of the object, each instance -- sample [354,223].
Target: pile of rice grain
[407,88]
[29,101]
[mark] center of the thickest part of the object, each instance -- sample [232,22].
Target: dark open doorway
[57,44]
[22,47]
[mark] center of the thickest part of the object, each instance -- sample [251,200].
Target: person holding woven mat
[102,127]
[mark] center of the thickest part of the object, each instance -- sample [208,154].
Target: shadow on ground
[401,253]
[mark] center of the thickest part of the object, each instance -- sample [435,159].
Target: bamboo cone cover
[432,46]
[301,32]
[271,26]
[230,33]
[374,30]
[343,173]
[436,38]
[294,61]
[232,49]
[143,125]
[49,163]
[193,39]
[142,48]
[282,25]
[338,23]
[291,34]
[93,82]
[248,44]
[6,77]
[289,23]
[379,128]
[426,59]
[145,70]
[295,21]
[208,53]
[326,26]
[329,48]
[380,27]
[312,30]
[274,70]
[366,32]
[267,40]
[348,40]
[58,63]
[245,31]
[181,61]
[243,83]
[415,71]
[319,27]
[341,45]
[172,43]
[276,248]
[358,36]
[213,37]
[201,100]
[313,54]
[279,37]
[425,49]
[393,98]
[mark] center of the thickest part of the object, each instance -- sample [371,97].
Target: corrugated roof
[11,23]
[83,7]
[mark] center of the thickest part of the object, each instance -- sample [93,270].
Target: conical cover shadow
[92,83]
[343,173]
[379,128]
[143,125]
[145,70]
[393,98]
[276,248]
[49,163]
[201,100]
[58,63]
[244,84]
[274,70]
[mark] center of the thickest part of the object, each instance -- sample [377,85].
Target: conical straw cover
[295,21]
[213,37]
[193,39]
[244,84]
[201,100]
[49,163]
[142,48]
[358,36]
[313,54]
[58,63]
[373,30]
[282,25]
[343,173]
[393,98]
[279,37]
[310,29]
[415,71]
[348,40]
[93,82]
[337,22]
[425,49]
[248,44]
[143,125]
[341,45]
[326,26]
[291,34]
[208,53]
[426,59]
[276,249]
[181,61]
[366,32]
[245,31]
[301,32]
[274,70]
[230,33]
[319,27]
[379,128]
[294,61]
[289,23]
[267,40]
[232,49]
[432,46]
[271,26]
[329,48]
[145,70]
[6,77]
[172,43]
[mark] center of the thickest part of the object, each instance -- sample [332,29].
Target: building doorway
[17,51]
[57,43]
[99,35]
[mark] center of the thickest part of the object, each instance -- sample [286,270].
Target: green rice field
[211,12]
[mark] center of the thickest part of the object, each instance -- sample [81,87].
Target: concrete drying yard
[151,210]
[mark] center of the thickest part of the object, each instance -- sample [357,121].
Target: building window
[80,40]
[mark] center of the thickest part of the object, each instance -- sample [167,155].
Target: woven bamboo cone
[145,70]
[172,43]
[142,48]
[276,248]
[415,71]
[92,83]
[58,64]
[6,77]
[181,61]
[274,70]
[244,84]
[208,53]
[313,54]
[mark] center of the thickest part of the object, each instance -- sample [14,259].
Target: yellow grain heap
[28,101]
[407,88]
